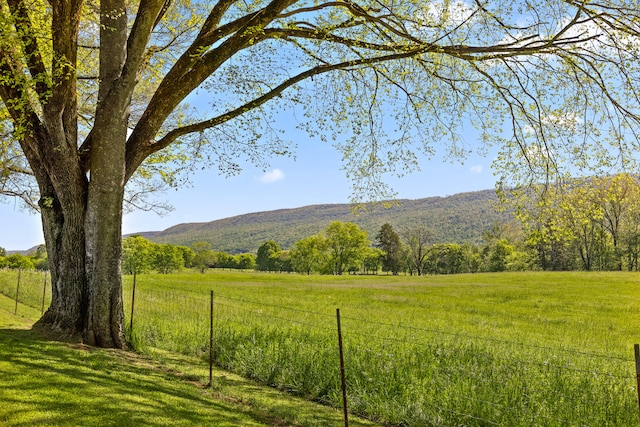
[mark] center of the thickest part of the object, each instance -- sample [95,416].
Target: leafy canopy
[553,82]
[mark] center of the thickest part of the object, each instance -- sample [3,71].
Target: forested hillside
[460,218]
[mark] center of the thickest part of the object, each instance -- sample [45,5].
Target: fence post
[211,341]
[133,301]
[17,291]
[342,376]
[44,292]
[636,350]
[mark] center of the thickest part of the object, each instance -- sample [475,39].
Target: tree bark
[103,229]
[64,237]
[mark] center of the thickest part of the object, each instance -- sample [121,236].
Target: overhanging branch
[275,92]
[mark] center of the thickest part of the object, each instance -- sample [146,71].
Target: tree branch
[33,57]
[275,92]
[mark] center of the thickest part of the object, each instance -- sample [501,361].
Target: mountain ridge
[458,218]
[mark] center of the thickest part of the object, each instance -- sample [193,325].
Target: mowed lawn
[44,382]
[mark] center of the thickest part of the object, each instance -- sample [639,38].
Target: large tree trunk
[103,225]
[83,239]
[82,224]
[84,247]
[64,237]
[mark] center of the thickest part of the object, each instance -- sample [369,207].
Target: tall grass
[543,349]
[28,285]
[552,349]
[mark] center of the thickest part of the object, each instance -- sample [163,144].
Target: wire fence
[29,288]
[394,373]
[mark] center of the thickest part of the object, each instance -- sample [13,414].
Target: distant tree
[372,260]
[416,240]
[188,255]
[445,258]
[496,255]
[520,261]
[204,256]
[265,259]
[166,258]
[245,261]
[541,212]
[40,252]
[617,196]
[471,256]
[347,244]
[40,258]
[282,261]
[136,255]
[582,216]
[388,241]
[19,261]
[223,260]
[309,254]
[3,252]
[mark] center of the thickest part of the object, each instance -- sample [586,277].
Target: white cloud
[272,176]
[476,169]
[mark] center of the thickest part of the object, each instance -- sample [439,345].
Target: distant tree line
[587,224]
[345,248]
[140,255]
[36,260]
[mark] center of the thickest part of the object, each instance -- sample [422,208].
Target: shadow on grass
[43,382]
[267,404]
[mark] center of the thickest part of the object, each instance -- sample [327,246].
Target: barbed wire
[271,316]
[278,306]
[484,338]
[157,306]
[417,329]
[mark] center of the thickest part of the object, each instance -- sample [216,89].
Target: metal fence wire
[398,374]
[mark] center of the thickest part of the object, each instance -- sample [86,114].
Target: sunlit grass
[44,382]
[510,349]
[30,286]
[518,349]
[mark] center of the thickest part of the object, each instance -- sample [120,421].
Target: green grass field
[552,349]
[522,349]
[44,382]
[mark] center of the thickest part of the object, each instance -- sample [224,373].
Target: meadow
[56,383]
[521,349]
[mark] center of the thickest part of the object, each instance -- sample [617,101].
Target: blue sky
[314,177]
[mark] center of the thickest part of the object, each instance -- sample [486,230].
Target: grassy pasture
[44,382]
[525,349]
[30,286]
[546,349]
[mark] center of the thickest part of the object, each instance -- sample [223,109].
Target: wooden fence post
[44,292]
[636,350]
[342,375]
[211,341]
[17,291]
